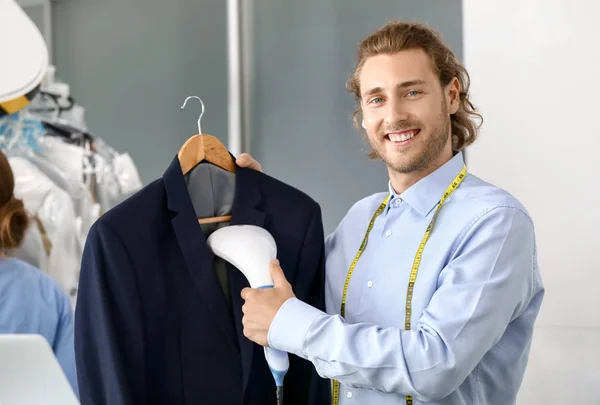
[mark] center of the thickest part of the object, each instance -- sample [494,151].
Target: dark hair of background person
[14,219]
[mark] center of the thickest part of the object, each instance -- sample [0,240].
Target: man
[439,306]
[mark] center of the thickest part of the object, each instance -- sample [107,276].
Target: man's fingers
[245,160]
[245,292]
[277,274]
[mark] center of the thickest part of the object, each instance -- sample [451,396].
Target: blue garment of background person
[31,302]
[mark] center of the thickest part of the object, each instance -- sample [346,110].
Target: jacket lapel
[246,211]
[195,251]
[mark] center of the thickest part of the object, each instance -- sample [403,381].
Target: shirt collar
[427,192]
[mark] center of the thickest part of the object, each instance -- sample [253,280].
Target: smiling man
[433,286]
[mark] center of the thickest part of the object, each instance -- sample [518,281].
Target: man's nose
[396,112]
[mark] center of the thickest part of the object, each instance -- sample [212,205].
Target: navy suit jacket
[152,325]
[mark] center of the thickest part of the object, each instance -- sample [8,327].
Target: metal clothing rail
[239,41]
[234,82]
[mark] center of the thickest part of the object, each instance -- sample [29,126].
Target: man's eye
[377,100]
[414,93]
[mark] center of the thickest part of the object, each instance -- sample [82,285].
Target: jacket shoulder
[286,193]
[139,209]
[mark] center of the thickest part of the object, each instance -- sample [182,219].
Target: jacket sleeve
[109,340]
[487,284]
[310,288]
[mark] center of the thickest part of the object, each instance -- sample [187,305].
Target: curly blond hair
[397,36]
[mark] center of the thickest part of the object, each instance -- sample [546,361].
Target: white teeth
[403,137]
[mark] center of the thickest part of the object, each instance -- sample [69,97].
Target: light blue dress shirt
[31,302]
[476,298]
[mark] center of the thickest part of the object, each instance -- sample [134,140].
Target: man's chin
[398,167]
[397,160]
[404,165]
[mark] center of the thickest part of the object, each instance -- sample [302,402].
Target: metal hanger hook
[201,113]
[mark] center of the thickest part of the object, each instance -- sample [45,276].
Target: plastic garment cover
[55,103]
[54,208]
[58,158]
[116,175]
[44,107]
[19,132]
[22,134]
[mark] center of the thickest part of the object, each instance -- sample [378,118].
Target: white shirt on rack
[54,207]
[67,160]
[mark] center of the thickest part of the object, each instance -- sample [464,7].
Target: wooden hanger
[205,147]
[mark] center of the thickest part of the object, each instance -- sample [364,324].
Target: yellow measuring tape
[414,270]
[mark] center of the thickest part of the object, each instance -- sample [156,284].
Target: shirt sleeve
[486,284]
[63,345]
[309,286]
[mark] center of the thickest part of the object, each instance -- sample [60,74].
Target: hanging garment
[152,322]
[103,177]
[54,209]
[117,177]
[69,160]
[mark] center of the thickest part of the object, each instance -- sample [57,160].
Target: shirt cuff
[290,326]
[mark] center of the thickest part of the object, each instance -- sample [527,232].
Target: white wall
[535,75]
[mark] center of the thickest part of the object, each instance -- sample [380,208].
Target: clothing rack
[66,176]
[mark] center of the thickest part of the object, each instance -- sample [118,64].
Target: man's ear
[452,94]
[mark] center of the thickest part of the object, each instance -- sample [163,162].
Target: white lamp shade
[250,248]
[24,59]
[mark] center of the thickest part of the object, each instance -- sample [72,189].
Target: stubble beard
[410,162]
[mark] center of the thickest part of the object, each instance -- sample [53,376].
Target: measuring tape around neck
[413,272]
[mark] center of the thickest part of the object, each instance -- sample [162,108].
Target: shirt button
[388,233]
[349,394]
[370,284]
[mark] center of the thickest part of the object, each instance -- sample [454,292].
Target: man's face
[405,110]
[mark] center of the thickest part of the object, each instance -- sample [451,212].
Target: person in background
[30,301]
[438,307]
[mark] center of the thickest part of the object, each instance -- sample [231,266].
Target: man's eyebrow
[411,83]
[402,85]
